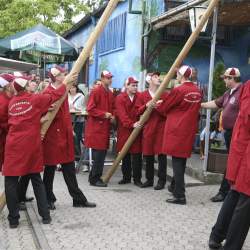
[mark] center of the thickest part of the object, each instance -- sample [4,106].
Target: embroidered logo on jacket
[192,97]
[20,108]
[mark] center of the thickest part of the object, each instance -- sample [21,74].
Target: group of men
[24,153]
[170,130]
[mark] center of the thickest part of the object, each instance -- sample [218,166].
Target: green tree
[18,15]
[219,86]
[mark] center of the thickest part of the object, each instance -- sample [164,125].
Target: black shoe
[51,205]
[47,220]
[22,206]
[138,183]
[170,189]
[28,199]
[99,184]
[213,244]
[218,198]
[123,181]
[179,201]
[147,184]
[84,204]
[14,224]
[159,186]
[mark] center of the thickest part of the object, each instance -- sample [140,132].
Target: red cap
[233,72]
[55,71]
[5,79]
[185,71]
[20,83]
[131,79]
[106,74]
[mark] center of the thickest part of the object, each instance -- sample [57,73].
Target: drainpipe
[130,8]
[96,56]
[144,45]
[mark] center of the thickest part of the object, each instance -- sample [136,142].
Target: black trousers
[98,165]
[22,187]
[162,168]
[233,221]
[178,181]
[132,163]
[11,183]
[225,187]
[78,129]
[69,175]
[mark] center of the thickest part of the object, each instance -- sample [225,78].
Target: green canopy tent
[38,44]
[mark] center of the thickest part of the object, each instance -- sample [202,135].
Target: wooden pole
[81,61]
[76,69]
[162,88]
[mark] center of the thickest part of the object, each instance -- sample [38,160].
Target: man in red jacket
[23,149]
[152,138]
[5,97]
[233,220]
[58,148]
[100,110]
[127,120]
[181,107]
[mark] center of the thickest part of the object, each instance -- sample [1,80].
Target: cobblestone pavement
[126,217]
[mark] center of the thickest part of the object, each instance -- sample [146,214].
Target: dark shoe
[47,220]
[22,206]
[147,184]
[170,189]
[138,183]
[159,186]
[14,224]
[84,204]
[123,181]
[179,201]
[99,184]
[213,244]
[28,199]
[218,198]
[51,205]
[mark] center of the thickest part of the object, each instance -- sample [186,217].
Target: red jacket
[126,114]
[97,130]
[182,107]
[152,138]
[238,168]
[4,102]
[23,149]
[58,144]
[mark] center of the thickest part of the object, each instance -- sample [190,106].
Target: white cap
[21,81]
[17,74]
[3,82]
[185,71]
[233,72]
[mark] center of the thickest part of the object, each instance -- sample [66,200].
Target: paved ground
[126,218]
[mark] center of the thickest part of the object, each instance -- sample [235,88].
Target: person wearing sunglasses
[229,102]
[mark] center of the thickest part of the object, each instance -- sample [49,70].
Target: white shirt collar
[232,90]
[131,98]
[151,93]
[53,86]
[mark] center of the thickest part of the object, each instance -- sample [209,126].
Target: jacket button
[58,130]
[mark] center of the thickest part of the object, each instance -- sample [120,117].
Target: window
[113,36]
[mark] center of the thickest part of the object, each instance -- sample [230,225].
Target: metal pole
[210,88]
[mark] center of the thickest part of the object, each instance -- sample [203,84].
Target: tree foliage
[219,86]
[18,15]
